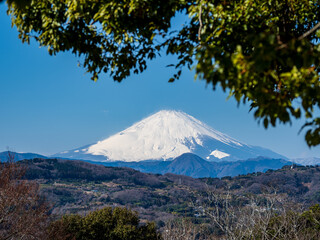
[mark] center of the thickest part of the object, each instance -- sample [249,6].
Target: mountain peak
[164,136]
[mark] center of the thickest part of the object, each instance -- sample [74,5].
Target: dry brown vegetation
[23,213]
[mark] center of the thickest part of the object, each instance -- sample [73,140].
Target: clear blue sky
[48,104]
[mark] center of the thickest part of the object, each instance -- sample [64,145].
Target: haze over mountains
[165,136]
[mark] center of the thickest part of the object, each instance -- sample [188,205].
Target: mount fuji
[166,135]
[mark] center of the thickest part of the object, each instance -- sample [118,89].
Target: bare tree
[293,223]
[23,213]
[268,216]
[183,228]
[238,216]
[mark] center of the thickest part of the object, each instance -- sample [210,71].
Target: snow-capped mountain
[165,136]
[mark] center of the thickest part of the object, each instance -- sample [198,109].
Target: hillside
[57,169]
[77,187]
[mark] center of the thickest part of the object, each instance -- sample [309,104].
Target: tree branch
[306,34]
[200,23]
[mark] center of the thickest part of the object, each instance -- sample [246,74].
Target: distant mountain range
[192,165]
[165,136]
[187,164]
[19,156]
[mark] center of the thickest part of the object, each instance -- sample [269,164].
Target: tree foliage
[107,223]
[264,52]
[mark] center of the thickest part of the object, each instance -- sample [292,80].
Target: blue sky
[48,104]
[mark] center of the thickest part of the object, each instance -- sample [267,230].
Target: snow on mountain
[218,154]
[164,136]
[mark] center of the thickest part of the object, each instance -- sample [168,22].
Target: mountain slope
[19,156]
[259,164]
[191,165]
[165,136]
[194,166]
[80,170]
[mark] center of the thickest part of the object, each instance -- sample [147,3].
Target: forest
[66,196]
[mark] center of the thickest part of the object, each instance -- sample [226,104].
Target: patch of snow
[219,154]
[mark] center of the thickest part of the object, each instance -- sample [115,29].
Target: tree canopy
[265,52]
[107,223]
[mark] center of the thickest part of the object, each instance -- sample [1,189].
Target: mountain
[19,156]
[254,165]
[192,165]
[165,136]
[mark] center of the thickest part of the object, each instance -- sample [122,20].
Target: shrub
[107,223]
